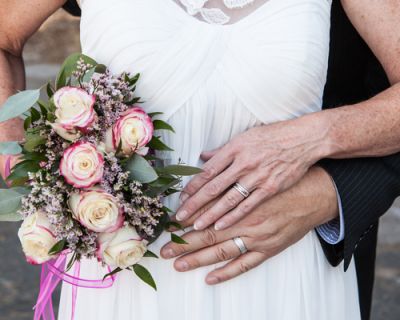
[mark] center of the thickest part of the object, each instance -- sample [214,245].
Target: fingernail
[181,215]
[220,226]
[169,253]
[212,280]
[183,197]
[198,225]
[182,265]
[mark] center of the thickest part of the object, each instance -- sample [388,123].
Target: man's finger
[207,155]
[197,240]
[236,267]
[224,251]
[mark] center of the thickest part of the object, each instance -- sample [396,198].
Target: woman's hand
[265,160]
[266,231]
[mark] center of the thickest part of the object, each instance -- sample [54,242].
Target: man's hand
[266,231]
[265,160]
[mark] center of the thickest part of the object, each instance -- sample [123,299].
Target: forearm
[12,79]
[367,129]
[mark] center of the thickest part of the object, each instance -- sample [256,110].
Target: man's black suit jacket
[367,186]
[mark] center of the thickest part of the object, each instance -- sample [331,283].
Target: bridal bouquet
[88,182]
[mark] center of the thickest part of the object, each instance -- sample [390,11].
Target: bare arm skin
[18,21]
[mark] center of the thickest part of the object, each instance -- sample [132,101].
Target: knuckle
[270,188]
[244,267]
[231,200]
[222,254]
[190,189]
[208,237]
[213,188]
[209,172]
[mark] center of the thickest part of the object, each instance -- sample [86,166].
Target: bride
[216,69]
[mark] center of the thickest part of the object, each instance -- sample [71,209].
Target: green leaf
[161,185]
[149,254]
[49,90]
[21,169]
[177,239]
[144,275]
[27,123]
[11,217]
[115,271]
[153,114]
[33,141]
[157,144]
[69,66]
[179,170]
[10,199]
[58,247]
[140,169]
[35,115]
[71,262]
[162,125]
[19,103]
[174,224]
[10,148]
[3,184]
[43,109]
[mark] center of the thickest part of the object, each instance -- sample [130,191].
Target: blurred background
[19,282]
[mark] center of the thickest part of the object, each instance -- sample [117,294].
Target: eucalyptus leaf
[18,104]
[21,169]
[11,217]
[180,170]
[140,169]
[144,275]
[3,184]
[10,148]
[10,199]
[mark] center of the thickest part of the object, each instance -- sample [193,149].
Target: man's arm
[18,21]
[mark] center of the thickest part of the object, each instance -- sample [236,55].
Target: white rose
[37,238]
[82,165]
[122,249]
[133,130]
[97,210]
[74,112]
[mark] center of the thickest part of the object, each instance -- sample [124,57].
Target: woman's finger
[242,210]
[236,267]
[223,251]
[207,193]
[229,201]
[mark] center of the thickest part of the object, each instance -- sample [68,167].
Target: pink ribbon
[52,273]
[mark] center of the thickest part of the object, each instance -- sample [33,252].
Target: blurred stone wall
[58,38]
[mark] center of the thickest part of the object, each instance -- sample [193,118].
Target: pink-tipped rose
[37,238]
[74,112]
[82,165]
[97,210]
[122,248]
[134,130]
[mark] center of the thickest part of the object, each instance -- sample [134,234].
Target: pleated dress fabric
[213,82]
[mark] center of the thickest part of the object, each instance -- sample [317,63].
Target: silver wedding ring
[240,244]
[242,190]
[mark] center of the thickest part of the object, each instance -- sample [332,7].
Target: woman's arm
[18,21]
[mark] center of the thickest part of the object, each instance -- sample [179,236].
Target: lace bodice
[220,11]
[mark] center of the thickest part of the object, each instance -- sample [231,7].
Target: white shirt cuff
[332,232]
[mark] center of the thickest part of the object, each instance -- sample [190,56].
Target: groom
[367,186]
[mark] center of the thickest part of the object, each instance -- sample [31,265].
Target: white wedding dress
[215,70]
